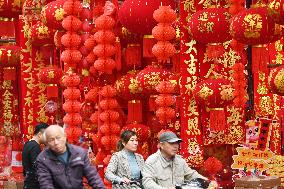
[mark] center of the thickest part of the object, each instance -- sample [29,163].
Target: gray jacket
[53,174]
[118,168]
[158,173]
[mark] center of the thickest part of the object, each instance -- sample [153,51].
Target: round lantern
[109,116]
[142,131]
[71,23]
[128,87]
[72,7]
[71,93]
[10,55]
[210,25]
[104,36]
[108,91]
[71,106]
[136,13]
[53,14]
[11,8]
[107,104]
[276,10]
[41,34]
[71,57]
[254,26]
[276,80]
[50,75]
[71,39]
[150,77]
[71,80]
[72,119]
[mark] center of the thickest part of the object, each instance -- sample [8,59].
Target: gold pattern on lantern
[42,30]
[265,105]
[253,25]
[235,116]
[189,6]
[153,79]
[278,45]
[134,86]
[230,58]
[262,89]
[279,81]
[261,76]
[118,85]
[50,74]
[59,14]
[279,58]
[205,92]
[227,92]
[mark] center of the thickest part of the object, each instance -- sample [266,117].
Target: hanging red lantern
[165,87]
[275,80]
[71,57]
[106,142]
[53,14]
[142,131]
[105,65]
[41,34]
[71,39]
[165,14]
[90,43]
[71,80]
[276,11]
[210,25]
[164,32]
[50,75]
[90,58]
[108,91]
[114,140]
[86,14]
[110,128]
[57,38]
[71,23]
[87,26]
[136,13]
[71,106]
[72,119]
[94,117]
[215,94]
[84,51]
[71,93]
[255,26]
[104,50]
[104,36]
[110,103]
[109,116]
[11,8]
[91,96]
[165,100]
[72,7]
[128,87]
[10,55]
[165,114]
[150,77]
[163,50]
[104,22]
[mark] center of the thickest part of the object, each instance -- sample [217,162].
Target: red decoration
[105,65]
[210,25]
[275,80]
[71,23]
[104,22]
[276,10]
[72,7]
[165,14]
[10,55]
[92,95]
[108,104]
[108,91]
[133,55]
[90,43]
[165,114]
[104,36]
[11,8]
[239,84]
[164,32]
[165,100]
[72,106]
[57,38]
[104,50]
[71,39]
[254,26]
[136,13]
[236,6]
[71,93]
[41,34]
[71,57]
[212,166]
[53,14]
[50,75]
[110,128]
[163,50]
[71,80]
[94,118]
[109,116]
[142,131]
[72,119]
[165,87]
[87,109]
[86,14]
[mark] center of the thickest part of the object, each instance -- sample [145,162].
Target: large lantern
[276,80]
[136,13]
[128,87]
[9,55]
[11,8]
[254,26]
[150,77]
[210,25]
[215,95]
[276,10]
[53,14]
[41,34]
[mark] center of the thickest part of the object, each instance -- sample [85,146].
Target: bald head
[55,139]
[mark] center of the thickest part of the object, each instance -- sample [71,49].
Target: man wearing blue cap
[165,169]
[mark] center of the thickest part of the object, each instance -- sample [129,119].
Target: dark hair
[39,127]
[124,138]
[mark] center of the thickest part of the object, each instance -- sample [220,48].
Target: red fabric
[7,29]
[134,111]
[217,119]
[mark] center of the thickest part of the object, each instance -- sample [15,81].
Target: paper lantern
[71,23]
[163,50]
[110,103]
[105,65]
[276,80]
[108,91]
[90,43]
[71,39]
[254,26]
[72,119]
[91,96]
[165,87]
[164,32]
[106,142]
[165,100]
[57,38]
[41,34]
[71,93]
[109,116]
[276,11]
[86,14]
[210,25]
[72,7]
[128,87]
[104,36]
[87,26]
[165,14]
[71,106]
[104,50]
[110,128]
[104,22]
[53,14]
[150,77]
[71,57]
[165,114]
[71,80]
[94,117]
[50,75]
[136,13]
[142,131]
[11,8]
[10,55]
[90,58]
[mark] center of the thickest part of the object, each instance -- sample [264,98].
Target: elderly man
[62,165]
[164,169]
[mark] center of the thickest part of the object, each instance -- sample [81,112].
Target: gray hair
[61,129]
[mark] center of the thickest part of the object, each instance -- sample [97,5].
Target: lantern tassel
[260,59]
[217,119]
[134,111]
[118,54]
[148,42]
[133,55]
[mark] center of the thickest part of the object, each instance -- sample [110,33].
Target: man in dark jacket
[62,165]
[30,152]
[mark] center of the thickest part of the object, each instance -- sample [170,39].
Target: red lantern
[110,103]
[128,87]
[106,141]
[71,39]
[110,128]
[57,38]
[142,131]
[109,116]
[105,65]
[163,50]
[165,87]
[275,80]
[165,114]
[72,119]
[104,50]
[87,110]
[165,14]
[164,32]
[71,23]
[104,36]
[86,14]
[71,57]
[92,95]
[10,55]
[136,13]
[254,26]
[71,80]
[94,118]
[210,25]
[71,106]
[150,77]
[50,75]
[276,10]
[11,8]
[72,7]
[108,91]
[87,26]
[53,14]
[41,34]
[71,93]
[104,22]
[90,43]
[165,100]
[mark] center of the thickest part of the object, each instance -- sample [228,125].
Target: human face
[132,144]
[56,141]
[169,150]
